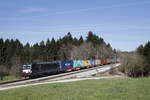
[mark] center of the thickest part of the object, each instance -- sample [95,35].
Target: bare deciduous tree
[132,64]
[16,67]
[84,51]
[65,52]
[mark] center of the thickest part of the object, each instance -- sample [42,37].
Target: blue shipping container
[93,62]
[66,64]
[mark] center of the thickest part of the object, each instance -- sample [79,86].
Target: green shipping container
[77,63]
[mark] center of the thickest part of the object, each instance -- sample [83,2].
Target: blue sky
[125,24]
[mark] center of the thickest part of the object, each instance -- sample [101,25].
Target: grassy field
[104,89]
[9,78]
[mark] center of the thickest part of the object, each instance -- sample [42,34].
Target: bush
[132,64]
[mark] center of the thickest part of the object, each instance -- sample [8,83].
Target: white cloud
[33,10]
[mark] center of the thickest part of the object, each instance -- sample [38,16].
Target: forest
[13,53]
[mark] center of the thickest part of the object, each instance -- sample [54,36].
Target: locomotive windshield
[26,66]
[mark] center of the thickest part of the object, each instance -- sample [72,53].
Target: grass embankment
[9,78]
[104,89]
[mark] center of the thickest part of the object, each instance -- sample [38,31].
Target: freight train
[36,69]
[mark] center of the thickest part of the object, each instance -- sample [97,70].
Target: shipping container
[77,63]
[86,63]
[103,61]
[93,62]
[114,60]
[98,62]
[66,65]
[108,61]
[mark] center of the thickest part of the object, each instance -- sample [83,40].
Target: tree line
[136,63]
[13,53]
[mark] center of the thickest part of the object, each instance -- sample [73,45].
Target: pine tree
[147,52]
[81,40]
[1,51]
[140,50]
[8,52]
[35,52]
[18,46]
[26,54]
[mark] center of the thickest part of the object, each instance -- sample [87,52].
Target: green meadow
[103,89]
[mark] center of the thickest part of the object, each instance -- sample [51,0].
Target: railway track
[21,81]
[8,82]
[53,77]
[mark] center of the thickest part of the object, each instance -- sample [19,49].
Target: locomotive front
[26,70]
